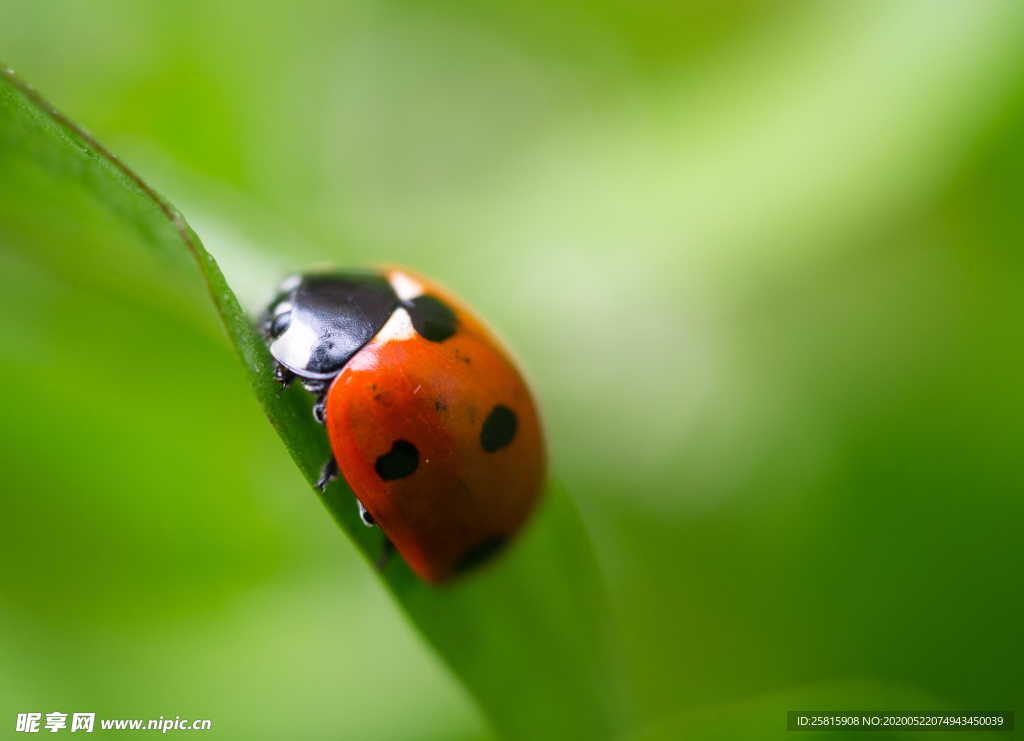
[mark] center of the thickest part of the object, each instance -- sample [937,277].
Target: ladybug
[428,419]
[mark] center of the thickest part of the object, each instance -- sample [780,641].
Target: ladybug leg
[282,375]
[315,385]
[365,516]
[319,388]
[320,408]
[327,474]
[386,552]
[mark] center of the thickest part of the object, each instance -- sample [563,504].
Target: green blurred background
[763,263]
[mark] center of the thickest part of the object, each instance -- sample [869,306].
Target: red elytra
[439,440]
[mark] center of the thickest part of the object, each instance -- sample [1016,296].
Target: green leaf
[528,636]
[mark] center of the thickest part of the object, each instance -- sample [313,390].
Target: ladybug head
[316,322]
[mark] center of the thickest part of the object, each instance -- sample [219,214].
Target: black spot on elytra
[399,462]
[440,406]
[499,428]
[481,553]
[432,318]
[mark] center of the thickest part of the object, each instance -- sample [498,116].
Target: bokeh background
[762,262]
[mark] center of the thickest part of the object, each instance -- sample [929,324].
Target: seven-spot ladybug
[429,421]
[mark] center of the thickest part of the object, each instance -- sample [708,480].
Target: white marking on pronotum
[295,347]
[397,328]
[406,287]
